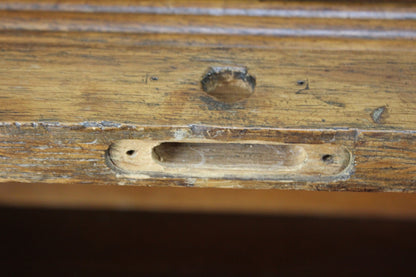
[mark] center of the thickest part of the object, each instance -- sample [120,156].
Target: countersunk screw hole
[130,152]
[328,158]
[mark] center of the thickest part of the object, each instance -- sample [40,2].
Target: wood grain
[344,86]
[47,152]
[208,25]
[77,76]
[306,8]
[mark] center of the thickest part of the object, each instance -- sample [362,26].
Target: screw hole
[328,158]
[130,152]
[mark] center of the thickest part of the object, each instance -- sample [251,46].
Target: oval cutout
[237,156]
[230,160]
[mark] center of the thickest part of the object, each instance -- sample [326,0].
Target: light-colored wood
[248,160]
[76,77]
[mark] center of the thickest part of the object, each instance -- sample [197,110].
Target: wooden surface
[384,206]
[76,153]
[77,76]
[218,160]
[68,79]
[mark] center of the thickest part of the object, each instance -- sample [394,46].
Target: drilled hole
[328,158]
[130,152]
[228,84]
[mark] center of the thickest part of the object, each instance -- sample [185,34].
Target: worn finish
[228,84]
[384,161]
[94,82]
[344,9]
[253,160]
[73,82]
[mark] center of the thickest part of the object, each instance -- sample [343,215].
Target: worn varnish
[251,160]
[76,77]
[75,153]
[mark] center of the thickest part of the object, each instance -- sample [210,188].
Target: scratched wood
[155,84]
[75,153]
[73,81]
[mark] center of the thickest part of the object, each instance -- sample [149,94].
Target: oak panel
[75,77]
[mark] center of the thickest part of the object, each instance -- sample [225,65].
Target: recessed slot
[230,160]
[237,156]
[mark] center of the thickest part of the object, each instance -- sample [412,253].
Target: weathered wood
[73,82]
[205,158]
[384,9]
[345,87]
[41,152]
[208,25]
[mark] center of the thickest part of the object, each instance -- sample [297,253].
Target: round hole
[130,152]
[228,84]
[328,158]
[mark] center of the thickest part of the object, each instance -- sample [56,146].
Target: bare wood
[205,158]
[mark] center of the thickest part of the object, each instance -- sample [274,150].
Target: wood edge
[211,200]
[220,7]
[190,24]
